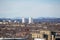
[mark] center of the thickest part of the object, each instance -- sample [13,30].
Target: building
[43,35]
[23,20]
[30,20]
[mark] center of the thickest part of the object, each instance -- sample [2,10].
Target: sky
[29,8]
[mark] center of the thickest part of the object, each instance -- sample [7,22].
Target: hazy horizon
[29,8]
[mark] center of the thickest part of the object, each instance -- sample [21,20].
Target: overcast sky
[30,8]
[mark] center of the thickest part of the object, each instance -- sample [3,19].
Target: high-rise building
[30,20]
[23,20]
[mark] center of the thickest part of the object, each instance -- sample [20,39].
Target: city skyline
[29,8]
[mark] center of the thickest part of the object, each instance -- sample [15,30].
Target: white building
[23,20]
[30,20]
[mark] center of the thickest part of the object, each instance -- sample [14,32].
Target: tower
[23,20]
[30,20]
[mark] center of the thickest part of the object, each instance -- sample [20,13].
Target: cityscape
[29,19]
[44,29]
